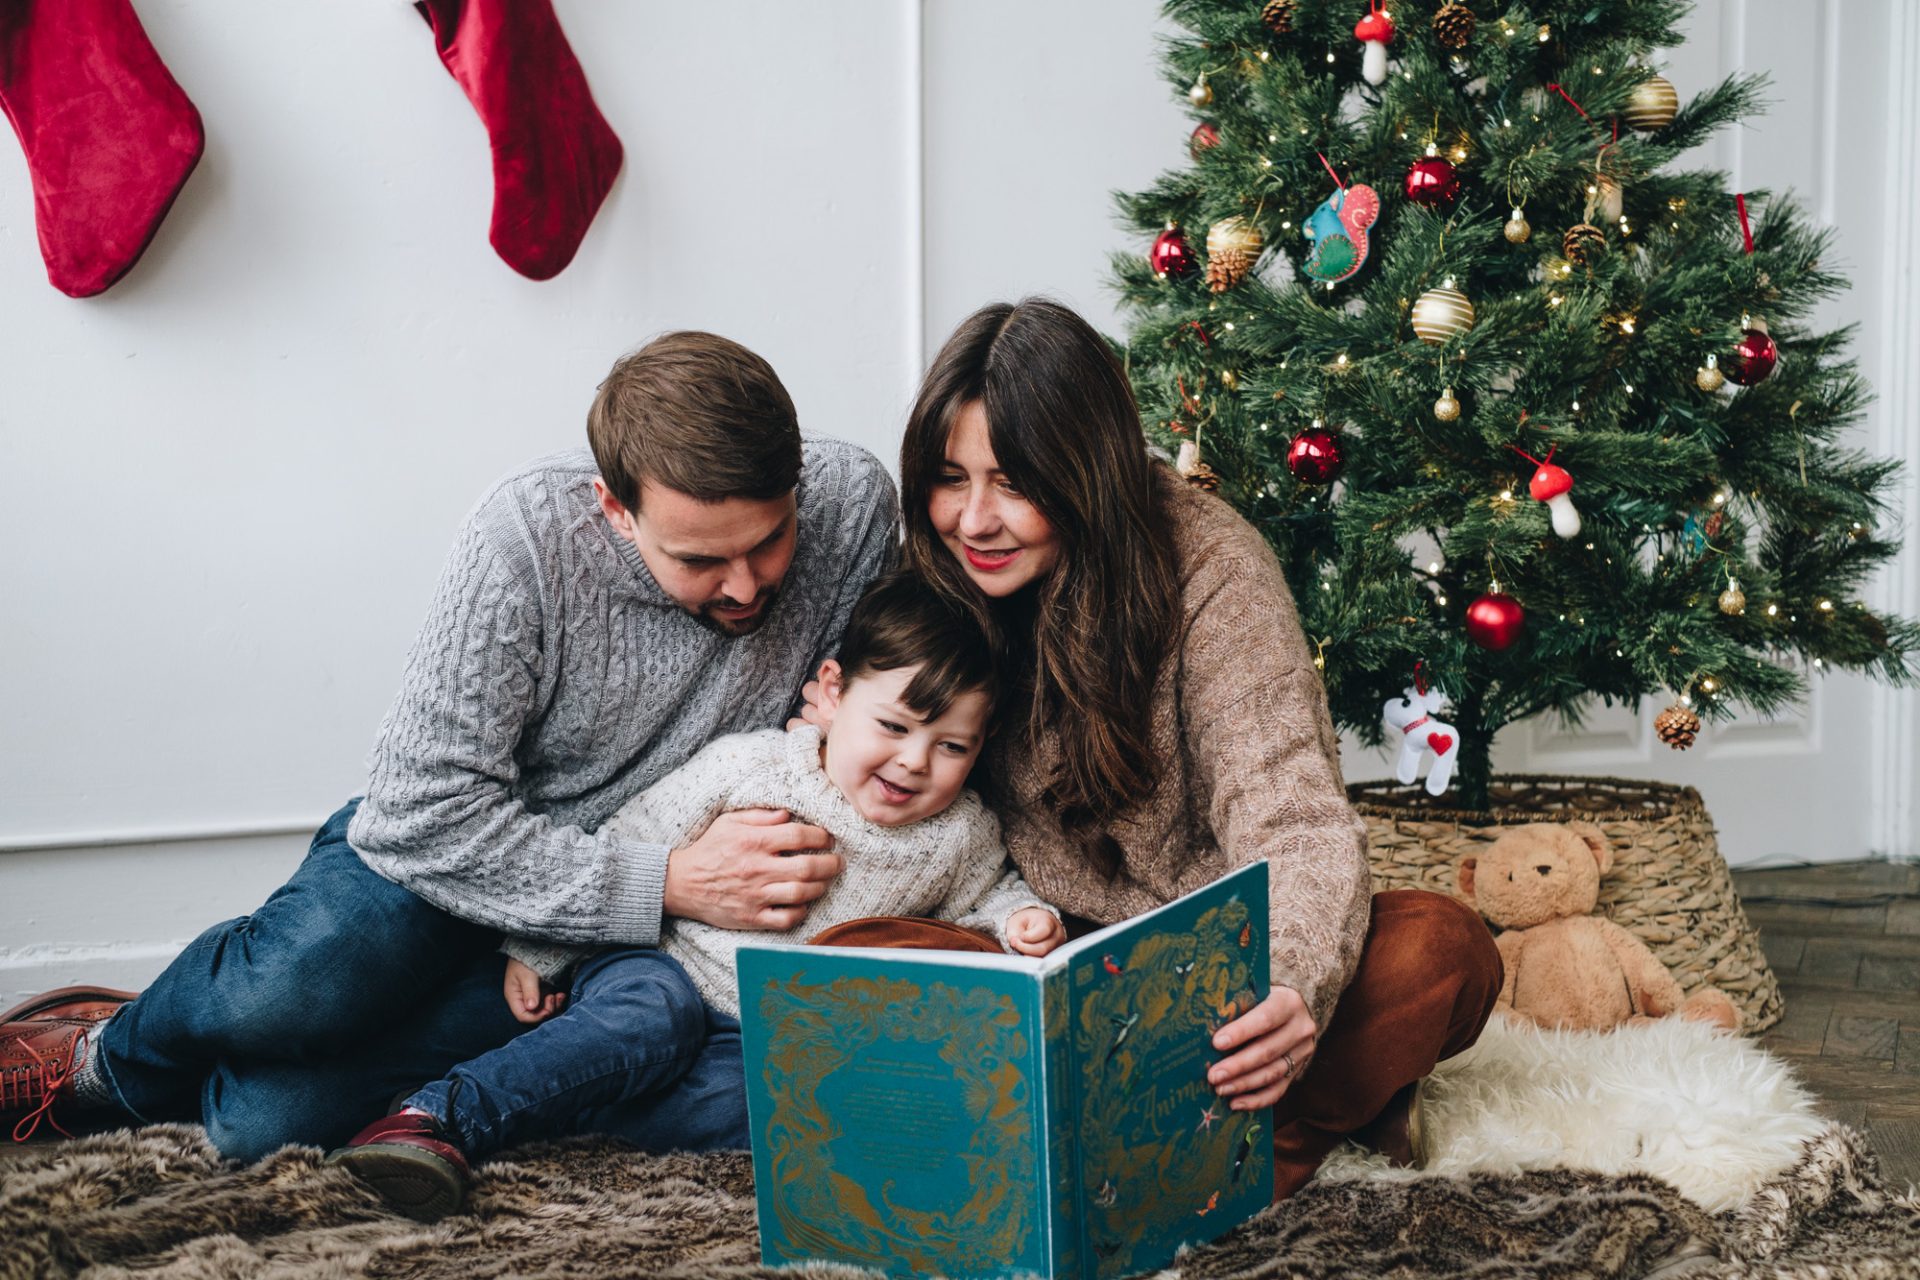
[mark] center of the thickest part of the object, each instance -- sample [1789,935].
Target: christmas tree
[1529,416]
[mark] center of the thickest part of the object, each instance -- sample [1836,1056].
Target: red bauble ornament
[1753,358]
[1172,256]
[1432,181]
[1316,456]
[1204,136]
[1495,621]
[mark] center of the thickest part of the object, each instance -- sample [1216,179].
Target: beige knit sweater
[950,866]
[1251,770]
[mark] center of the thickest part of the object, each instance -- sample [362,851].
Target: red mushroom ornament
[1375,31]
[1551,485]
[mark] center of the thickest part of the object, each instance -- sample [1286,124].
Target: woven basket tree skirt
[1669,886]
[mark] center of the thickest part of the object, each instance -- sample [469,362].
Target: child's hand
[531,1000]
[1034,931]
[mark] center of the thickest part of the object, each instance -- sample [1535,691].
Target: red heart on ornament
[1440,742]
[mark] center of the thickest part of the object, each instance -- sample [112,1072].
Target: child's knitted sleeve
[988,889]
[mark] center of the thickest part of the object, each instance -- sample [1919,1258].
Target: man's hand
[530,998]
[1034,931]
[1274,1040]
[749,870]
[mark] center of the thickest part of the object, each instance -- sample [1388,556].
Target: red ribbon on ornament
[1336,177]
[1570,102]
[1188,402]
[1538,462]
[1746,232]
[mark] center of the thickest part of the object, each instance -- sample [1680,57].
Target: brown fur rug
[158,1202]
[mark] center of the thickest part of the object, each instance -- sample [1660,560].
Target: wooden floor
[1851,978]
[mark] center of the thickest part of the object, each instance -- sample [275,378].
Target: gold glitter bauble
[1733,601]
[1708,376]
[1677,726]
[1583,243]
[1446,408]
[1653,105]
[1518,230]
[1439,314]
[1233,246]
[1608,199]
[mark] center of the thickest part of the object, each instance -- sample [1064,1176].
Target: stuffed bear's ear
[1465,875]
[1596,840]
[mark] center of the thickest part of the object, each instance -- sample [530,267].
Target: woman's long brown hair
[1065,430]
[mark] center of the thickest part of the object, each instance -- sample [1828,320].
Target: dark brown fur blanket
[158,1202]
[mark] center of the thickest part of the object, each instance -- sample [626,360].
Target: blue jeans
[636,1053]
[333,959]
[304,1021]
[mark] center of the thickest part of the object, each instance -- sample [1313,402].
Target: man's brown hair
[699,414]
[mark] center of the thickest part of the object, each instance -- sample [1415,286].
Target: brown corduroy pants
[1424,988]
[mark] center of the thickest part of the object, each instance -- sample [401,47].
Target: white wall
[226,485]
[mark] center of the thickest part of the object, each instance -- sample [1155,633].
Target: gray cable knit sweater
[554,680]
[951,866]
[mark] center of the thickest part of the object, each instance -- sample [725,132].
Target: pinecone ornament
[1278,15]
[1583,243]
[1196,473]
[1677,726]
[1204,477]
[1453,25]
[1233,246]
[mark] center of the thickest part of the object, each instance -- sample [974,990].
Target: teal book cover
[970,1115]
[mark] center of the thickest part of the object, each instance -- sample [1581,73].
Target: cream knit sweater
[1251,768]
[951,866]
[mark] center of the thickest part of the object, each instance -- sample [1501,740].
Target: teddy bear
[1566,967]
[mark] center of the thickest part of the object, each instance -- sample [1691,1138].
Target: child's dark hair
[902,622]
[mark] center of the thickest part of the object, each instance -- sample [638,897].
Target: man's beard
[727,627]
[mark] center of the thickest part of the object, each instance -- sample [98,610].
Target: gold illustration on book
[1160,1147]
[818,1029]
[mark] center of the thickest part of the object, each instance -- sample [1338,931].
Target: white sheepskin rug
[1709,1112]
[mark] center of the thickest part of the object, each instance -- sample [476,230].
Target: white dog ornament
[1412,715]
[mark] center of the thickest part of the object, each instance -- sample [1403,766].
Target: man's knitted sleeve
[672,812]
[440,817]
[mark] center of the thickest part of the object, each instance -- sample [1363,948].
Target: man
[599,620]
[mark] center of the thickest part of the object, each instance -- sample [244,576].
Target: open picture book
[966,1114]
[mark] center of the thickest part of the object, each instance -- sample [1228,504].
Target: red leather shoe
[80,1004]
[42,1044]
[410,1160]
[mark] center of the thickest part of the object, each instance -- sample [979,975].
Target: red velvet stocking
[554,157]
[110,138]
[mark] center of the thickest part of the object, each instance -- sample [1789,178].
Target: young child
[645,1044]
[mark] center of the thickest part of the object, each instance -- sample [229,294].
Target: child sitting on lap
[645,1044]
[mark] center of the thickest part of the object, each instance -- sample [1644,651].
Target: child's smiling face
[895,765]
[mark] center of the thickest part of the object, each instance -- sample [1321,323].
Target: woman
[1172,726]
